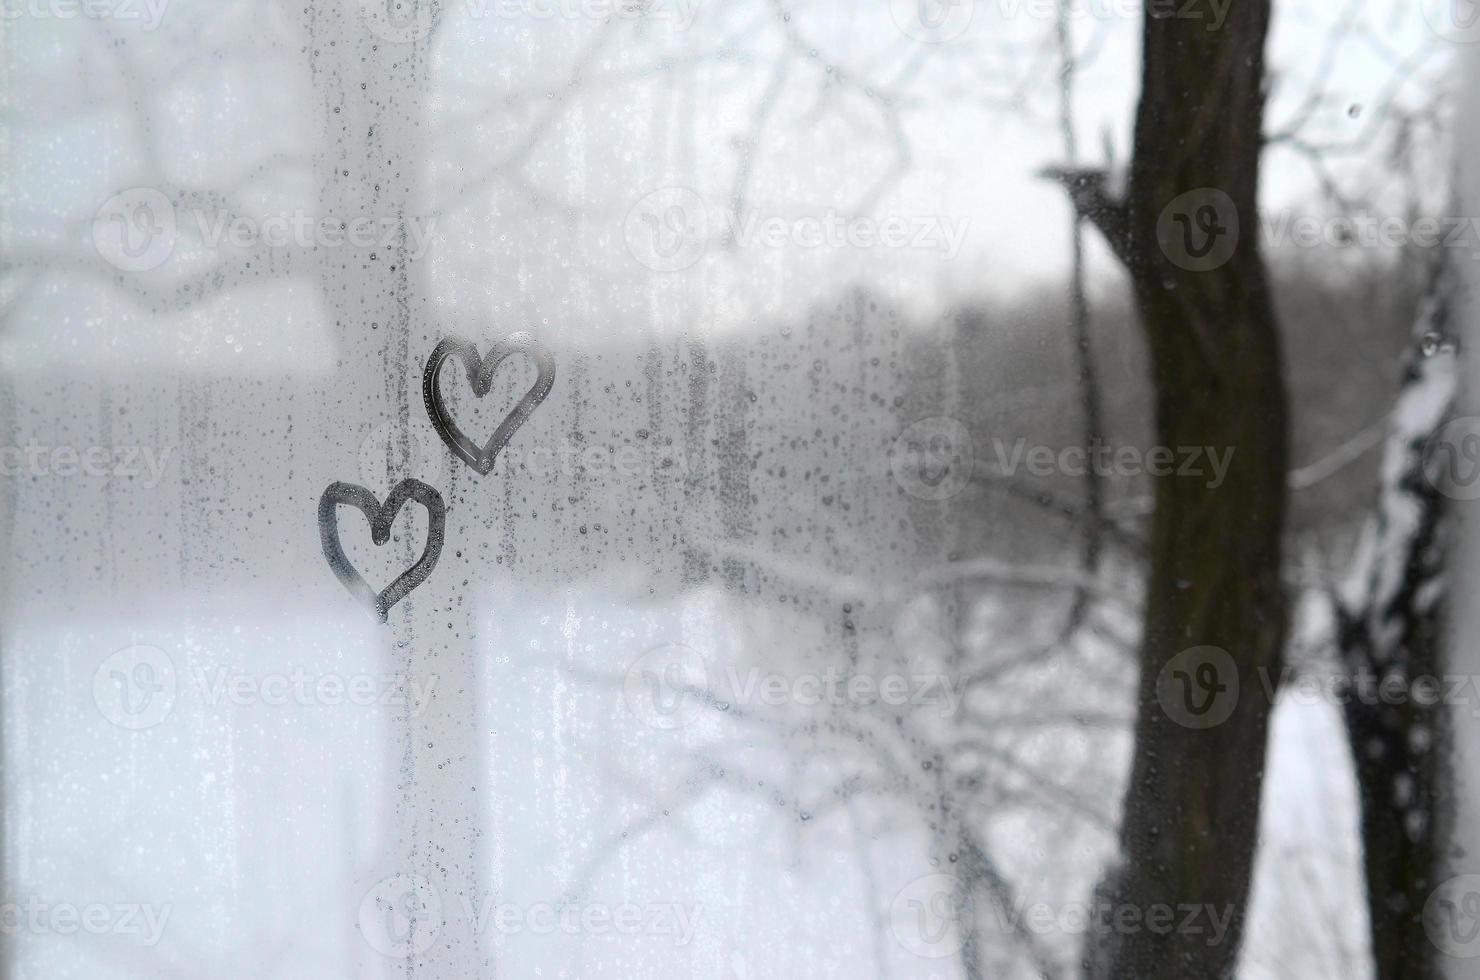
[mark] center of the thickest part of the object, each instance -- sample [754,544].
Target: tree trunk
[1389,627]
[1191,812]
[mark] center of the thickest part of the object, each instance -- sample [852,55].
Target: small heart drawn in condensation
[480,375]
[381,517]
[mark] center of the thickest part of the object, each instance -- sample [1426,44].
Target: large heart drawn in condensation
[380,517]
[480,374]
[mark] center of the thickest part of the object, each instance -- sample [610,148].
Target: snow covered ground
[263,828]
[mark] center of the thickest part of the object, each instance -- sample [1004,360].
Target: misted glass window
[737,488]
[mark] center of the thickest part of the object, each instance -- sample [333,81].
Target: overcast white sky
[686,109]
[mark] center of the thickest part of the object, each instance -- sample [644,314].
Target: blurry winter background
[757,655]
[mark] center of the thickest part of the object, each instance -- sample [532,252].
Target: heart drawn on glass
[480,374]
[380,517]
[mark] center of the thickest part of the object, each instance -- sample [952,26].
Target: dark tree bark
[1389,627]
[1191,812]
